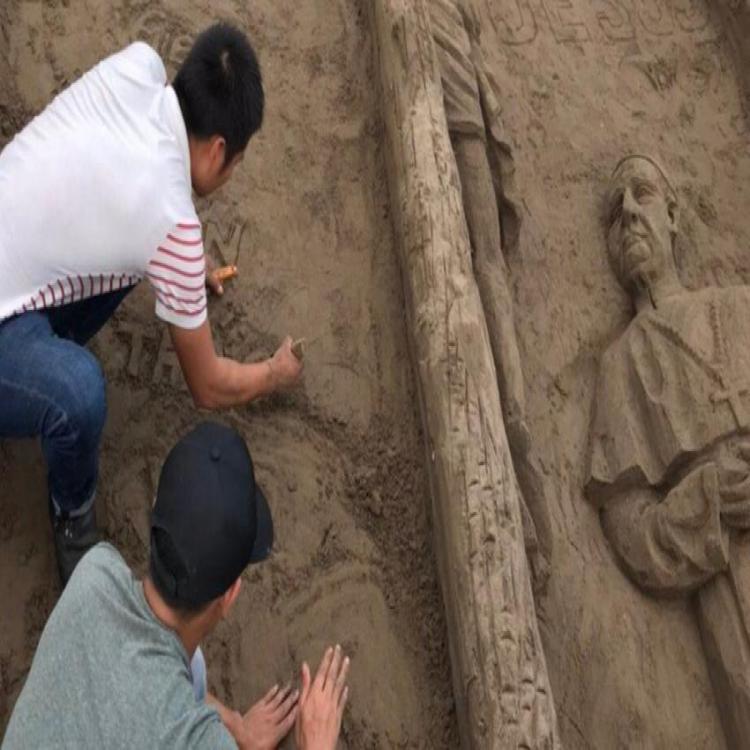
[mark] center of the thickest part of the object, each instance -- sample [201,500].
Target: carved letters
[520,22]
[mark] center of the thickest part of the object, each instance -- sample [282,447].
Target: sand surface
[307,221]
[581,82]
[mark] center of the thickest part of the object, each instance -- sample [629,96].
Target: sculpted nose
[630,208]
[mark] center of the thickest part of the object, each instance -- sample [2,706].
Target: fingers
[214,284]
[288,722]
[270,694]
[743,449]
[287,705]
[325,663]
[333,669]
[737,515]
[306,681]
[737,491]
[343,699]
[280,697]
[339,685]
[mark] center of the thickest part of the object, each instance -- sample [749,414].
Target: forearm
[673,544]
[230,383]
[219,382]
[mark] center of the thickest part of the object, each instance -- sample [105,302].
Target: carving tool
[225,273]
[298,347]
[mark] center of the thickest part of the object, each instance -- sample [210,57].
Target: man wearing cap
[119,662]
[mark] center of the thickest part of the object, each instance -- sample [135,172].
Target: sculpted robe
[471,105]
[673,390]
[673,398]
[463,108]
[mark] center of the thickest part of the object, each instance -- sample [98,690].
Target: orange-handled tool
[225,273]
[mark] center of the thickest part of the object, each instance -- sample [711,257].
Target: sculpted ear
[673,211]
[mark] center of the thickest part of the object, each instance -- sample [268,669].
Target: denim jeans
[53,388]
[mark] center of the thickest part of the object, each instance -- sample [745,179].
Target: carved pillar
[500,677]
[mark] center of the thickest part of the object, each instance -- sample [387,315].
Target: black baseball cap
[210,519]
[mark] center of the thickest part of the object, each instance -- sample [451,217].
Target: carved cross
[733,396]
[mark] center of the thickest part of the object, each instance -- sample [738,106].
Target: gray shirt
[108,674]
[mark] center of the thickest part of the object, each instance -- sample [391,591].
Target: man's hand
[266,724]
[215,276]
[212,280]
[286,369]
[322,703]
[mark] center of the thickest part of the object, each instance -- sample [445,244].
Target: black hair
[220,88]
[163,546]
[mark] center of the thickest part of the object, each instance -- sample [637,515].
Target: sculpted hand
[267,723]
[286,369]
[734,486]
[322,702]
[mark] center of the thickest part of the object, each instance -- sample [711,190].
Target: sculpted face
[641,223]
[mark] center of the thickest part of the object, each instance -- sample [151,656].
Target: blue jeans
[53,388]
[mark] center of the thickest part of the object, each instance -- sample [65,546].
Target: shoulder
[142,58]
[100,566]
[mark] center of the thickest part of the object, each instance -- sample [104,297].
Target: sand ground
[340,459]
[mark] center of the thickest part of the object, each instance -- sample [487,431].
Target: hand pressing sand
[322,702]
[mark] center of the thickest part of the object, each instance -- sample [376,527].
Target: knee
[81,402]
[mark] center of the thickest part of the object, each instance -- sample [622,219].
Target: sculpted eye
[615,212]
[643,192]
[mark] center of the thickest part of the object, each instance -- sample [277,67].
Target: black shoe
[74,537]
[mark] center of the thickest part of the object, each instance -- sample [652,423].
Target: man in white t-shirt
[95,195]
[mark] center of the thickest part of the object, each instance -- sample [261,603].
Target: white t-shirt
[95,194]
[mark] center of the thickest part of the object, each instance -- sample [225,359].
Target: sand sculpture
[500,677]
[736,17]
[485,167]
[627,668]
[670,449]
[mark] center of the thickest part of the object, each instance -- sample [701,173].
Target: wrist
[272,378]
[236,727]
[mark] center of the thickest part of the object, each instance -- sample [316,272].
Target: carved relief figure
[485,167]
[670,449]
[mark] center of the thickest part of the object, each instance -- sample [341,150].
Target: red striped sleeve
[163,294]
[187,243]
[178,311]
[178,271]
[185,287]
[178,256]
